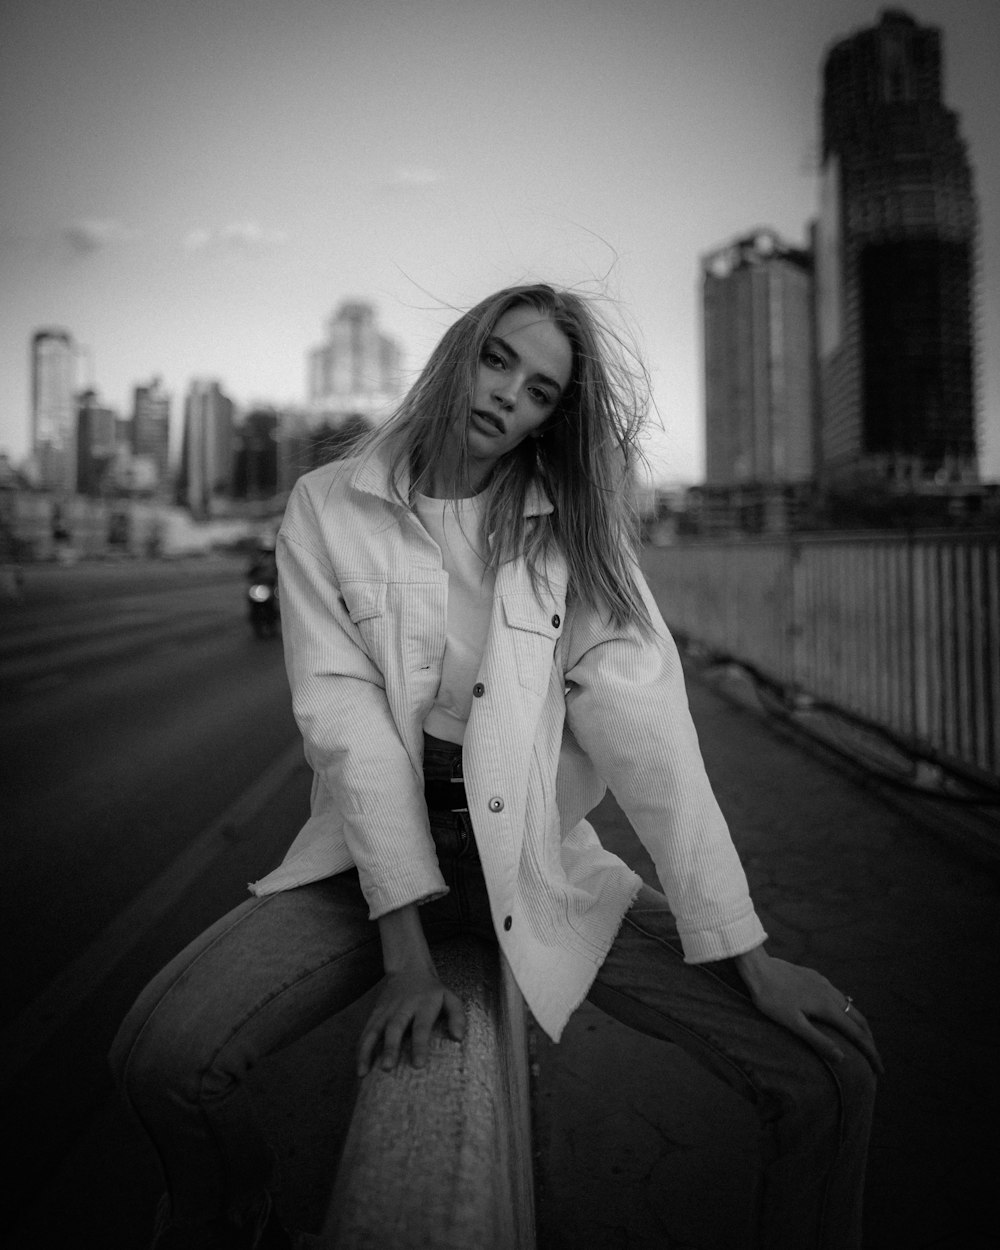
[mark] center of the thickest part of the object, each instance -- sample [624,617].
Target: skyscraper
[208,448]
[355,372]
[297,447]
[895,261]
[151,428]
[53,415]
[757,296]
[96,442]
[256,471]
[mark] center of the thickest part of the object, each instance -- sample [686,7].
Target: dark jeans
[276,967]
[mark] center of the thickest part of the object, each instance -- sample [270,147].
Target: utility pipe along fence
[901,632]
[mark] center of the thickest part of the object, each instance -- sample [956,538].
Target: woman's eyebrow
[540,377]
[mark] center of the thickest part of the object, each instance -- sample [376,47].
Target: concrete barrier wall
[900,631]
[41,527]
[440,1158]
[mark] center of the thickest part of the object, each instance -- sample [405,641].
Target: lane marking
[69,989]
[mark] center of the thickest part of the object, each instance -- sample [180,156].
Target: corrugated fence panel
[991,649]
[733,598]
[948,654]
[928,645]
[901,631]
[822,635]
[964,718]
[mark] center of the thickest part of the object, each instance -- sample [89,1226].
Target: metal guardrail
[441,1158]
[899,631]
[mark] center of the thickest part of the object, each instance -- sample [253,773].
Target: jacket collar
[372,477]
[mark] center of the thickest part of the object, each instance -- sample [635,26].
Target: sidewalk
[631,1137]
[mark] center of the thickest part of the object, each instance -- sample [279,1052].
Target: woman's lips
[490,421]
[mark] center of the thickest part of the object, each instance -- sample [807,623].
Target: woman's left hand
[794,996]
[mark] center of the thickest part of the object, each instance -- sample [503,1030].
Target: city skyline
[191,190]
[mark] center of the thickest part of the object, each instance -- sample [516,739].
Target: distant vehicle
[262,592]
[262,602]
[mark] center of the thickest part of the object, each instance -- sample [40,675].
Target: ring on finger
[848,1004]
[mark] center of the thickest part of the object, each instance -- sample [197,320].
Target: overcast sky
[191,186]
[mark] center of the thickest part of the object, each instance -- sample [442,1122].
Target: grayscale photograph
[500,624]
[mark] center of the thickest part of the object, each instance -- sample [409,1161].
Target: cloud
[236,236]
[410,178]
[95,234]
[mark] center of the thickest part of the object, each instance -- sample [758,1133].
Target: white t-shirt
[456,525]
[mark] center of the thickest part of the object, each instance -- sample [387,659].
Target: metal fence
[902,632]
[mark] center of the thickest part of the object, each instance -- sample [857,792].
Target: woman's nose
[504,394]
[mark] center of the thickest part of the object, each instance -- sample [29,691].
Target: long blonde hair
[585,458]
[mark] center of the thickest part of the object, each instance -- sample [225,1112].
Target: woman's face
[524,369]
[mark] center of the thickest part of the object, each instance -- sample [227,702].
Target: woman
[473,656]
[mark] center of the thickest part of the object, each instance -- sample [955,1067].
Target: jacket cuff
[389,893]
[707,945]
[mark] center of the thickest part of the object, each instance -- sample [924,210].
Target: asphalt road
[151,767]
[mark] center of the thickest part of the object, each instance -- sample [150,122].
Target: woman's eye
[493,360]
[540,397]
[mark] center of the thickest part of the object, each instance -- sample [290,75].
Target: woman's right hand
[411,1000]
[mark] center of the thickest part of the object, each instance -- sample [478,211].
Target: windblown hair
[584,459]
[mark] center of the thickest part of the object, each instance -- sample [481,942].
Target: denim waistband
[442,760]
[451,829]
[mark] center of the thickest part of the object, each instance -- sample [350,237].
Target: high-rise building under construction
[896,259]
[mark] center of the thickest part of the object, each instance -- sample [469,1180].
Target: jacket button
[479,690]
[507,922]
[556,621]
[496,804]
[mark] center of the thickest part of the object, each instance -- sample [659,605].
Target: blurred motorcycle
[262,592]
[262,600]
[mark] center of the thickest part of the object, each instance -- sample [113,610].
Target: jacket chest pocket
[534,630]
[402,624]
[366,607]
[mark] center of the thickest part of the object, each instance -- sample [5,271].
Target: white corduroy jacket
[567,704]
